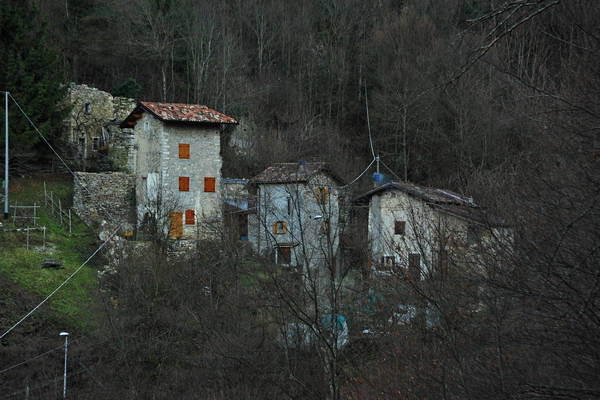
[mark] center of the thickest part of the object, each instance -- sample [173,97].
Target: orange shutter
[322,195]
[275,225]
[184,150]
[190,217]
[184,184]
[209,184]
[176,225]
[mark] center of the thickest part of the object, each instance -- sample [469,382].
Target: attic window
[322,194]
[87,108]
[184,184]
[399,227]
[279,227]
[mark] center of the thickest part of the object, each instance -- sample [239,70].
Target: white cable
[62,284]
[362,173]
[369,122]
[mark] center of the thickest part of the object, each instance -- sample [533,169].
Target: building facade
[413,229]
[297,214]
[177,168]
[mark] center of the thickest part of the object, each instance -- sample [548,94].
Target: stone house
[297,214]
[414,229]
[177,167]
[93,124]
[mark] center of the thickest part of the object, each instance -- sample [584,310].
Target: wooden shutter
[184,184]
[209,184]
[275,227]
[325,227]
[322,195]
[190,217]
[279,227]
[184,150]
[176,225]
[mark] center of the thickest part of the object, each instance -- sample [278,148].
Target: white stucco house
[414,229]
[177,167]
[297,214]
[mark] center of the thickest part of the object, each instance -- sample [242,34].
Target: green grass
[74,302]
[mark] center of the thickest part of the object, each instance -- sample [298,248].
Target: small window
[322,194]
[87,108]
[209,184]
[283,255]
[388,260]
[279,227]
[190,217]
[399,227]
[325,227]
[289,205]
[184,150]
[184,184]
[96,143]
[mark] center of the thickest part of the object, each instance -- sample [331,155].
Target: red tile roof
[178,112]
[186,113]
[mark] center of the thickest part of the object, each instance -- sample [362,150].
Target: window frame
[399,224]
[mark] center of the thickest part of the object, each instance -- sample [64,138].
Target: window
[325,227]
[388,260]
[184,184]
[96,143]
[87,108]
[175,225]
[190,217]
[184,150]
[279,227]
[414,266]
[322,194]
[209,184]
[399,227]
[283,255]
[289,205]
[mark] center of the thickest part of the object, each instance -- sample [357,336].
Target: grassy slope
[73,303]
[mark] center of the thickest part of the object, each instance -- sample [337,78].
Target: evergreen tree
[32,72]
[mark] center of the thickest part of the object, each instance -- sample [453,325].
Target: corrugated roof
[299,172]
[178,112]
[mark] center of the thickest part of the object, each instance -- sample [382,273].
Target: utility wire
[389,169]
[361,174]
[369,122]
[76,180]
[31,359]
[62,284]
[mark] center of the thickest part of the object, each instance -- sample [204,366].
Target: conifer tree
[32,72]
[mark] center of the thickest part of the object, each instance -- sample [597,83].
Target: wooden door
[176,225]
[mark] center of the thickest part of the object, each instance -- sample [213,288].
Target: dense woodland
[496,100]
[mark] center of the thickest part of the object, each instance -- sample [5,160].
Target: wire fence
[56,211]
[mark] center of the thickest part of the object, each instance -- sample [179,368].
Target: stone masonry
[105,200]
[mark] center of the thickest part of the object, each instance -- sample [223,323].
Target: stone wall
[104,200]
[92,125]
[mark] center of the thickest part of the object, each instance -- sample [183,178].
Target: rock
[50,263]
